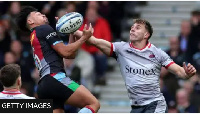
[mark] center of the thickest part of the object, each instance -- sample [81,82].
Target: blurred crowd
[90,65]
[183,95]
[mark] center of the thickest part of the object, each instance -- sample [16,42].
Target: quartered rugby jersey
[14,95]
[141,70]
[46,58]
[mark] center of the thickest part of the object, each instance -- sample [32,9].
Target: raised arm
[72,39]
[69,51]
[103,45]
[185,72]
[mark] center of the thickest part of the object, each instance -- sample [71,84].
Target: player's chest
[139,56]
[34,40]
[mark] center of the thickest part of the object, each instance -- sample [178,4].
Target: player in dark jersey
[48,53]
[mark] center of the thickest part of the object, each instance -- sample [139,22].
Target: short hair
[195,13]
[9,74]
[21,19]
[147,25]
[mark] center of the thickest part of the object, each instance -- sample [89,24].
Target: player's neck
[13,89]
[33,26]
[139,44]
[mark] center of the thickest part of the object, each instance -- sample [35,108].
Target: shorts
[58,87]
[154,107]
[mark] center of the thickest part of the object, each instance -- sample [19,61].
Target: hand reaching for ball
[87,33]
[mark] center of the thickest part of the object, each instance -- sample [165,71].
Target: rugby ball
[69,22]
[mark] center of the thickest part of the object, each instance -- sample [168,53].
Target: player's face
[37,18]
[138,32]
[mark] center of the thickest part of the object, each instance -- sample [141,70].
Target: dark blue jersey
[47,60]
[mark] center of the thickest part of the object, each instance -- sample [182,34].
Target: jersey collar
[31,29]
[147,46]
[11,92]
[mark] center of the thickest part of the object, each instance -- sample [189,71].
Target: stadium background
[176,30]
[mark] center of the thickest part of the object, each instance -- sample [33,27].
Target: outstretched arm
[187,71]
[103,45]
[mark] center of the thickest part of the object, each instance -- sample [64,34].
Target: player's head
[10,76]
[29,18]
[140,30]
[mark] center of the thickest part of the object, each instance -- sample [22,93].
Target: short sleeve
[165,60]
[50,35]
[115,47]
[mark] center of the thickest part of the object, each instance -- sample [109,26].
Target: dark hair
[9,74]
[21,19]
[195,13]
[147,25]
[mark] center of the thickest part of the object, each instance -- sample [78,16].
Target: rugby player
[48,52]
[140,64]
[10,77]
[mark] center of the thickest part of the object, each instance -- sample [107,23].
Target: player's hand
[87,33]
[56,19]
[189,70]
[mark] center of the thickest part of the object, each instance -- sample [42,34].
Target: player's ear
[19,81]
[146,35]
[30,21]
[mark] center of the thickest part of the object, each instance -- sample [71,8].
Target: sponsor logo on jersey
[151,56]
[128,51]
[139,71]
[51,35]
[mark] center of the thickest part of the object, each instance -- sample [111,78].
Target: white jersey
[14,95]
[141,71]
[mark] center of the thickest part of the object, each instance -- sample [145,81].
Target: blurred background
[176,30]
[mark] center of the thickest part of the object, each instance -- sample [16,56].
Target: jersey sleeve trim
[90,108]
[111,49]
[169,64]
[56,42]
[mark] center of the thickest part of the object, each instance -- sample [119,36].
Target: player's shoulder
[120,43]
[154,48]
[157,51]
[44,30]
[44,27]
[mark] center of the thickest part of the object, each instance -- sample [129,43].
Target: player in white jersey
[10,77]
[140,64]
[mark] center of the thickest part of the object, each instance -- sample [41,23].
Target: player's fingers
[90,28]
[56,18]
[192,70]
[85,26]
[192,73]
[184,66]
[190,67]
